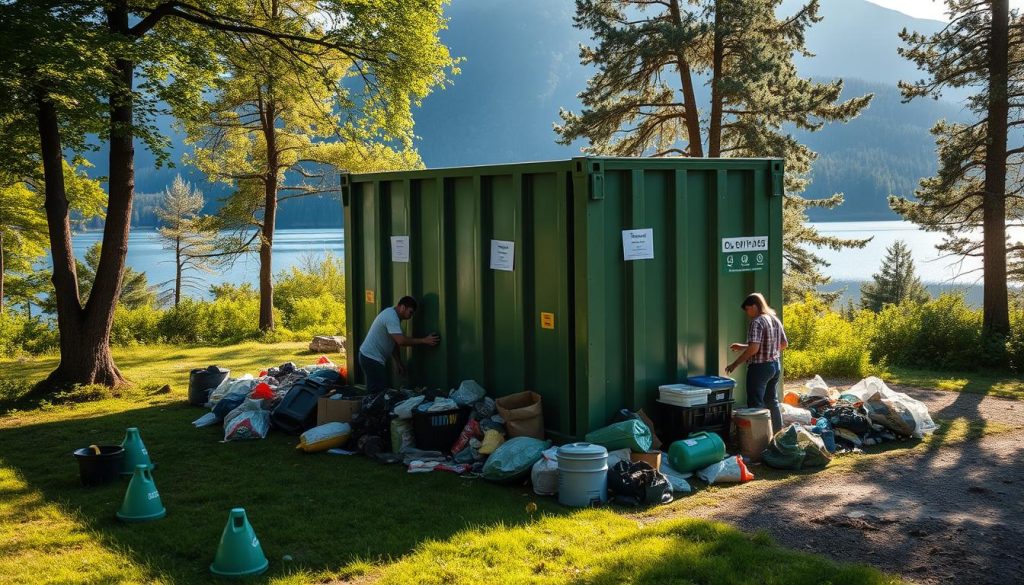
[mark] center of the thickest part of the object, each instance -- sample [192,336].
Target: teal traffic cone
[239,553]
[142,500]
[135,452]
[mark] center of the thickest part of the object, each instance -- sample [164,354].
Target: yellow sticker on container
[369,297]
[547,320]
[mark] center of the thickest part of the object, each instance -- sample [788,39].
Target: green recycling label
[748,254]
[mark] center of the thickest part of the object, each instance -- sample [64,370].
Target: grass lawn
[1000,385]
[336,518]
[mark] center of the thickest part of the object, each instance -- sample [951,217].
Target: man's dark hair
[408,302]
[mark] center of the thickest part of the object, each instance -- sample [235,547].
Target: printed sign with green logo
[747,254]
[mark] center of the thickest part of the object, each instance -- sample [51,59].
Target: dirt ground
[947,513]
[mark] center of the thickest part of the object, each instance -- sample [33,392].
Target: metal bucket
[582,475]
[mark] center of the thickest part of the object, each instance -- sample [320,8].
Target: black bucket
[100,469]
[201,381]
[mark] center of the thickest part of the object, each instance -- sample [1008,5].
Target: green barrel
[696,452]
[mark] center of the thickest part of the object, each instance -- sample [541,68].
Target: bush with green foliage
[22,334]
[135,326]
[943,334]
[311,296]
[822,341]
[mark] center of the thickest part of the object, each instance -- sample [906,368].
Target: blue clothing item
[379,344]
[762,390]
[375,374]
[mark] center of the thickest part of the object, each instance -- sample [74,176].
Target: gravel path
[948,513]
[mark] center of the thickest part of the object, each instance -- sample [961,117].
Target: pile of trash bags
[244,405]
[821,422]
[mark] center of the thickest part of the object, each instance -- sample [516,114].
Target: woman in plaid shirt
[765,339]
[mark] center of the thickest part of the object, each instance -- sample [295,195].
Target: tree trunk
[694,145]
[269,217]
[1,274]
[85,356]
[996,320]
[177,271]
[717,58]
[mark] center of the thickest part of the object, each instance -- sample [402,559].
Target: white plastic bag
[404,408]
[544,475]
[208,419]
[728,470]
[614,457]
[817,387]
[677,479]
[869,387]
[795,414]
[442,405]
[248,421]
[468,393]
[225,387]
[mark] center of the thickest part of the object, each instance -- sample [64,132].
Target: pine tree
[982,47]
[187,233]
[642,100]
[896,283]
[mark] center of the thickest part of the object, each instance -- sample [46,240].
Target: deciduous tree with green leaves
[281,111]
[978,191]
[187,233]
[642,101]
[895,283]
[74,69]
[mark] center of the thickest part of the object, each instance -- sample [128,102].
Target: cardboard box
[332,408]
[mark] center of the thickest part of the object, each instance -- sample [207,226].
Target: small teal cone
[135,452]
[239,553]
[142,500]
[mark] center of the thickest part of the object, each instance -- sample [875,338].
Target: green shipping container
[590,281]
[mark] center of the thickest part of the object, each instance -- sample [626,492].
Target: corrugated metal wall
[572,321]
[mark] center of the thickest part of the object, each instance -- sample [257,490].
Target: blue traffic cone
[142,500]
[135,452]
[239,553]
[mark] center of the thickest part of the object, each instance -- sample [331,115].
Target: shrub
[1015,343]
[135,326]
[942,334]
[822,342]
[317,315]
[22,334]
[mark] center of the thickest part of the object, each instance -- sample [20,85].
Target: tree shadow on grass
[323,511]
[949,509]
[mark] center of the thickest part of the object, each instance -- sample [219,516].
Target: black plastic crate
[677,422]
[720,395]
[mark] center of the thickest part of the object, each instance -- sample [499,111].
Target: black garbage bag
[373,421]
[638,483]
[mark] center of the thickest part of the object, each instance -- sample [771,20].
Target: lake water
[847,268]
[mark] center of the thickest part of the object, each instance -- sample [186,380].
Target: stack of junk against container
[696,434]
[583,312]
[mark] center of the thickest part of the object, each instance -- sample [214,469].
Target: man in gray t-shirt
[384,339]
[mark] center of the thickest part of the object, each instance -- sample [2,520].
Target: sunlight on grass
[598,546]
[969,382]
[39,538]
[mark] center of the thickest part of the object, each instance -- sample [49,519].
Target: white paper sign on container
[638,244]
[399,248]
[503,254]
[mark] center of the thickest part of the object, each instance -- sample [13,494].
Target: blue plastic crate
[721,388]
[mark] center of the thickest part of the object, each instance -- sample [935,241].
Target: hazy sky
[927,8]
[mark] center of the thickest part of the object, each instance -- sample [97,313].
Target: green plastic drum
[696,452]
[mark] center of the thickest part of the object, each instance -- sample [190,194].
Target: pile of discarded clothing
[820,421]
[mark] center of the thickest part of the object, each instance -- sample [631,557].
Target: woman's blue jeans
[763,391]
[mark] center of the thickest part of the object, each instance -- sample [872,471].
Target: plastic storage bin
[297,410]
[678,422]
[438,431]
[721,388]
[683,395]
